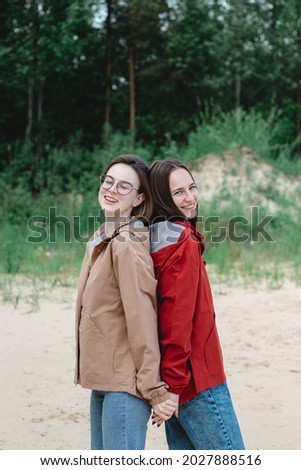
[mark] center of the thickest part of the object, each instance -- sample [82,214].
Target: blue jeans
[208,421]
[118,421]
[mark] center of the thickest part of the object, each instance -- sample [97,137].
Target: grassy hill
[251,216]
[249,210]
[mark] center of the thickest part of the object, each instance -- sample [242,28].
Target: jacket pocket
[96,360]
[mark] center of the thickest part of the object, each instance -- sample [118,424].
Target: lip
[110,200]
[189,208]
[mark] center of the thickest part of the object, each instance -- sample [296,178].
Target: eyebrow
[177,189]
[119,181]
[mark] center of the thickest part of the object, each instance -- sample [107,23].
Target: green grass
[255,260]
[28,270]
[53,240]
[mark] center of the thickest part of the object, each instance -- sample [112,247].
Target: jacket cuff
[159,397]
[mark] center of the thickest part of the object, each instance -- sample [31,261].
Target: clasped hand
[164,411]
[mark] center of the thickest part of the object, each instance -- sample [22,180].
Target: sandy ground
[260,331]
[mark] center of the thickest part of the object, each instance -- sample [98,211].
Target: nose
[113,188]
[188,196]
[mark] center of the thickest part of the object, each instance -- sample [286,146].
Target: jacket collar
[104,241]
[194,231]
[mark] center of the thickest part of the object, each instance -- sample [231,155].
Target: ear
[140,198]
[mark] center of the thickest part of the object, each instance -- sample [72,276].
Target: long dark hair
[164,206]
[145,209]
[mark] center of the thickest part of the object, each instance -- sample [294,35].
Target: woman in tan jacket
[118,355]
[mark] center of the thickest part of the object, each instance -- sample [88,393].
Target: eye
[124,186]
[108,179]
[177,193]
[193,187]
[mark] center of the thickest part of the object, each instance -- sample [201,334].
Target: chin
[109,212]
[190,214]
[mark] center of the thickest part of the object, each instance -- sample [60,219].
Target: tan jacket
[116,322]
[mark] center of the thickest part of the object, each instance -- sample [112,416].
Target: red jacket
[190,348]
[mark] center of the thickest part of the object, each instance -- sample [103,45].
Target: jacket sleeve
[177,292]
[134,273]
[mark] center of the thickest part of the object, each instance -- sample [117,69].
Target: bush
[236,129]
[17,204]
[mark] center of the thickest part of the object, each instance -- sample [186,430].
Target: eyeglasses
[123,187]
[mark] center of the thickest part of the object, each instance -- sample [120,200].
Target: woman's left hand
[164,411]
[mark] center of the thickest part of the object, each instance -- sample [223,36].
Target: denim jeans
[118,421]
[208,421]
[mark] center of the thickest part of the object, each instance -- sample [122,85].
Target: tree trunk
[298,13]
[237,89]
[29,105]
[132,95]
[39,122]
[32,68]
[108,66]
[275,15]
[298,99]
[299,112]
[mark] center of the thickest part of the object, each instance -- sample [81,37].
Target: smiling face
[114,204]
[184,192]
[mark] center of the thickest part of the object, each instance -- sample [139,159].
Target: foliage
[191,58]
[233,130]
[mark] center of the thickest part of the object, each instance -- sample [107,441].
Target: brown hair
[145,209]
[164,206]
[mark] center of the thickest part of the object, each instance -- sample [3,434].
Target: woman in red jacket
[191,363]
